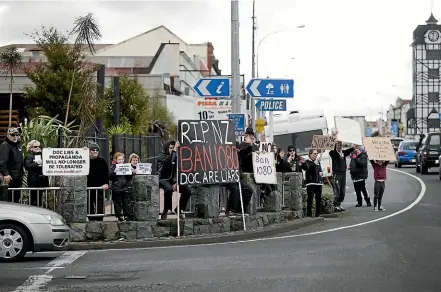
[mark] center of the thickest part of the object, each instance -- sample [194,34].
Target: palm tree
[86,32]
[10,62]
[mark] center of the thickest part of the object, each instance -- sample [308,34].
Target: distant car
[26,228]
[406,153]
[428,152]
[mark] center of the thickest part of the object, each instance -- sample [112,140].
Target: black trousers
[121,201]
[95,205]
[379,187]
[339,186]
[167,186]
[311,191]
[233,204]
[360,188]
[15,196]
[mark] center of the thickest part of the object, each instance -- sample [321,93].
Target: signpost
[213,87]
[271,105]
[239,123]
[271,88]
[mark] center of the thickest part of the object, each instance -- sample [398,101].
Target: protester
[121,188]
[98,178]
[295,161]
[339,168]
[314,182]
[380,176]
[11,163]
[166,169]
[359,174]
[33,163]
[281,164]
[134,160]
[245,154]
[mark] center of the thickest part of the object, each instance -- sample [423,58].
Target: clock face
[433,36]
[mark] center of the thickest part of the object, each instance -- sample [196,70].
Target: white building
[397,117]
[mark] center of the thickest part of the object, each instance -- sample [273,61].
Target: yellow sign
[260,125]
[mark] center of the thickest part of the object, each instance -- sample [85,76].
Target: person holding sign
[359,174]
[33,164]
[121,187]
[339,169]
[380,175]
[314,182]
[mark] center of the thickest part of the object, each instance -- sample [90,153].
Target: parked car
[25,228]
[428,152]
[406,153]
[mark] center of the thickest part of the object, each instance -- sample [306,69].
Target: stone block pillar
[146,197]
[292,184]
[207,201]
[274,202]
[252,208]
[73,199]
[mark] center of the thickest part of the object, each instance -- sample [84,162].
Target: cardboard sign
[208,152]
[123,169]
[65,161]
[379,148]
[349,131]
[264,168]
[322,142]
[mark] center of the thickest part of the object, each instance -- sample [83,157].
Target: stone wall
[131,231]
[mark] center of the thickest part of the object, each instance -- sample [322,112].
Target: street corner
[277,227]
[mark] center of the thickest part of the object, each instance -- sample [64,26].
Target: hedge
[327,200]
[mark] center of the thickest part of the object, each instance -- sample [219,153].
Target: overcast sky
[348,51]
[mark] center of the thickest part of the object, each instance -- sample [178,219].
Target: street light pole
[235,59]
[253,68]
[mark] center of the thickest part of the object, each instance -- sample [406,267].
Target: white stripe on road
[38,282]
[413,204]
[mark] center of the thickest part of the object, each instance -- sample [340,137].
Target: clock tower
[424,114]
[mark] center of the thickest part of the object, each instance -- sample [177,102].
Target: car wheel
[14,242]
[399,165]
[417,168]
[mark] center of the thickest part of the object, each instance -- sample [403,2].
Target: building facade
[397,117]
[423,115]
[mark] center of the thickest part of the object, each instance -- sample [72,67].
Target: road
[399,253]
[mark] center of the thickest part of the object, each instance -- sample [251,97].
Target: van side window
[435,140]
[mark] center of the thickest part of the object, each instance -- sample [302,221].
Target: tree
[133,105]
[52,81]
[10,62]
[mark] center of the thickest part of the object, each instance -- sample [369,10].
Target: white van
[297,128]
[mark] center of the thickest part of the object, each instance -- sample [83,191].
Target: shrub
[327,200]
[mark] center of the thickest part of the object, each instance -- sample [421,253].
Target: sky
[353,57]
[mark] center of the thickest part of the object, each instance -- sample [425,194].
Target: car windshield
[409,146]
[435,140]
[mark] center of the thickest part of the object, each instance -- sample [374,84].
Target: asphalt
[400,253]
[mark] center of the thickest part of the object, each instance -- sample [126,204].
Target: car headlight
[55,220]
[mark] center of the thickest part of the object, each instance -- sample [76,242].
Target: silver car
[25,228]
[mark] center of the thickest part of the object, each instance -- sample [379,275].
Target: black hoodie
[11,159]
[245,156]
[281,164]
[339,165]
[166,168]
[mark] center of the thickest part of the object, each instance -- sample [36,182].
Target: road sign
[260,125]
[215,87]
[271,88]
[239,123]
[271,105]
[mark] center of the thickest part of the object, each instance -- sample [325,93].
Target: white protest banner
[264,168]
[123,169]
[65,161]
[144,168]
[349,131]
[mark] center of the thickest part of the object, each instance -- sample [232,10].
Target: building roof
[35,47]
[420,30]
[432,19]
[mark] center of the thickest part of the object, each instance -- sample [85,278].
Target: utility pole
[253,68]
[235,59]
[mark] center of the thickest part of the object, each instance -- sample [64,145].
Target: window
[433,97]
[409,146]
[433,73]
[433,123]
[435,140]
[302,140]
[433,54]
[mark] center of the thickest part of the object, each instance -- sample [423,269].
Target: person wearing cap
[11,163]
[98,178]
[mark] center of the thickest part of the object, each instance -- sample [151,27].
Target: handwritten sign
[208,152]
[123,169]
[379,148]
[264,168]
[144,168]
[323,142]
[265,147]
[65,161]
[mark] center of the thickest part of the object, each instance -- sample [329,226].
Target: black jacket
[245,156]
[35,173]
[359,166]
[281,164]
[296,164]
[120,183]
[166,167]
[98,172]
[339,165]
[312,172]
[11,159]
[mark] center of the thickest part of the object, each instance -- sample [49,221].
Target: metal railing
[40,197]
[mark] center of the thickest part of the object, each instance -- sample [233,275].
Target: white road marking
[38,282]
[413,204]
